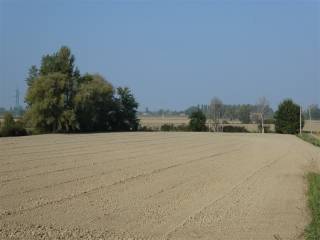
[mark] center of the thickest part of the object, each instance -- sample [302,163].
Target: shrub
[172,128]
[183,128]
[234,129]
[197,121]
[12,128]
[287,118]
[145,129]
[167,127]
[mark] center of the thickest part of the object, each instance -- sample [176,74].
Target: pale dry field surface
[155,186]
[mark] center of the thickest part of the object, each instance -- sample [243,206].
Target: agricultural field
[155,186]
[157,122]
[312,126]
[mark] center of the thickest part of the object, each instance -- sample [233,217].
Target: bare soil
[155,186]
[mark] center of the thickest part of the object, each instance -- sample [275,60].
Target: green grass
[312,232]
[309,138]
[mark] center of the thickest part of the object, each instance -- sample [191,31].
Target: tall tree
[32,75]
[197,121]
[287,118]
[94,104]
[126,110]
[62,62]
[61,100]
[46,104]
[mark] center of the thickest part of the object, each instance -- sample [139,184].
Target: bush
[167,127]
[172,128]
[145,129]
[235,129]
[197,121]
[12,128]
[183,128]
[287,118]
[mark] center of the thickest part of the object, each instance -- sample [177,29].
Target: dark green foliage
[32,75]
[93,104]
[190,110]
[126,111]
[197,121]
[61,61]
[145,129]
[47,109]
[312,232]
[244,113]
[287,118]
[61,100]
[173,128]
[167,127]
[11,128]
[234,129]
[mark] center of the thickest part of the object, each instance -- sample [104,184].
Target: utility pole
[17,98]
[310,123]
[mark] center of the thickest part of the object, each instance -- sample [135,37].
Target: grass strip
[312,232]
[309,138]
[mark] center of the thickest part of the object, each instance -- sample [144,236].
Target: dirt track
[154,186]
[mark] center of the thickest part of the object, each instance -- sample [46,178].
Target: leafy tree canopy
[61,100]
[197,121]
[287,118]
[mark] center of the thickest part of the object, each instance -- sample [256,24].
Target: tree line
[286,119]
[60,99]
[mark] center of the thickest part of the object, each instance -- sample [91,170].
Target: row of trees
[286,118]
[246,113]
[60,99]
[217,112]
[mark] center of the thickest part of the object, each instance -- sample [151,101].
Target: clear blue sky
[172,54]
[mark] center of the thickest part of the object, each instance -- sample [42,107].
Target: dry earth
[154,186]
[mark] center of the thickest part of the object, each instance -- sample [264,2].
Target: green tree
[126,110]
[61,100]
[32,75]
[62,62]
[46,100]
[94,104]
[244,113]
[287,118]
[197,121]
